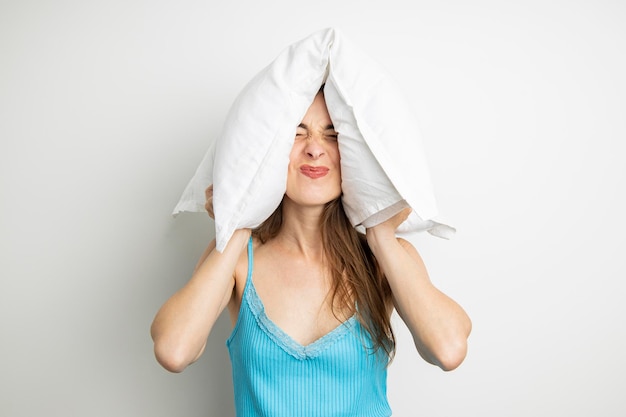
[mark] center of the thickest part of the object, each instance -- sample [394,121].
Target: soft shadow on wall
[210,377]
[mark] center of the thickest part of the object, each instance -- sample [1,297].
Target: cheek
[336,157]
[296,150]
[292,153]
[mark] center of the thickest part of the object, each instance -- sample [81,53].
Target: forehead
[317,112]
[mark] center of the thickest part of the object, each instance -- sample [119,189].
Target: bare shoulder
[247,259]
[240,276]
[241,269]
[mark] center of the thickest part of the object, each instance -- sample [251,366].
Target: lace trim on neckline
[286,342]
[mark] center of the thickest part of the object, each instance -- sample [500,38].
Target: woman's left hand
[386,229]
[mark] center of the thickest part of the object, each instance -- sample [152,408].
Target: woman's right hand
[208,205]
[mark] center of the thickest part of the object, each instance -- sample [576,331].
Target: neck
[301,229]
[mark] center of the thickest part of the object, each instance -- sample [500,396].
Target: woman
[310,299]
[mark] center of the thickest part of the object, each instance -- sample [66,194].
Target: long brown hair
[358,284]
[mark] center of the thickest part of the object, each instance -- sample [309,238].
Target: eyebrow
[328,127]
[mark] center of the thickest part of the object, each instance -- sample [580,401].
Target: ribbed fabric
[338,375]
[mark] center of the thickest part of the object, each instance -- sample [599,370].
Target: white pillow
[382,162]
[383,165]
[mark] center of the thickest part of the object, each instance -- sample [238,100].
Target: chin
[312,198]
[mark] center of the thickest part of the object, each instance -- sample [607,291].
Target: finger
[208,205]
[208,193]
[401,217]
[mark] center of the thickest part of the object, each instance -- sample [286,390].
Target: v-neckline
[283,339]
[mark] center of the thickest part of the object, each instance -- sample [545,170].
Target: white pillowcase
[383,165]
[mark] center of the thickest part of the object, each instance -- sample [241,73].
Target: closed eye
[301,131]
[331,135]
[330,132]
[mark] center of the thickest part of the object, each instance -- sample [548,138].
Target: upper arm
[439,325]
[413,253]
[205,254]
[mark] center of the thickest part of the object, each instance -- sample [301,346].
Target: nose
[314,148]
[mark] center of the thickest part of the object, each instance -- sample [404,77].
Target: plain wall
[106,109]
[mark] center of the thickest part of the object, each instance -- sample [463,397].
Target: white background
[106,109]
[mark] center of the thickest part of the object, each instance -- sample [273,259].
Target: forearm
[183,323]
[439,326]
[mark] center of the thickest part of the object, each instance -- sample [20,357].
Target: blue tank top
[338,375]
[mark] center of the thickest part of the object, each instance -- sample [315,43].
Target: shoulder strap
[250,260]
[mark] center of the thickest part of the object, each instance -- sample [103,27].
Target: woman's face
[314,175]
